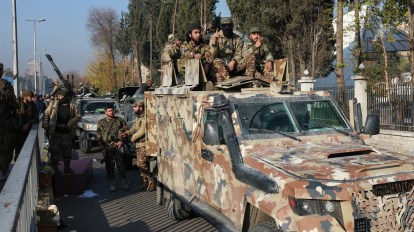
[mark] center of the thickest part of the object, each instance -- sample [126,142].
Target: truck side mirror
[372,124]
[357,116]
[211,133]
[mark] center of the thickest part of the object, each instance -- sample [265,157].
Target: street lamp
[34,45]
[42,78]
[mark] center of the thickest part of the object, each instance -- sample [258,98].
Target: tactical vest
[111,134]
[6,104]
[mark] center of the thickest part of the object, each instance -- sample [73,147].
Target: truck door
[215,165]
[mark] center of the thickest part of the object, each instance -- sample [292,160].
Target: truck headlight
[304,207]
[89,127]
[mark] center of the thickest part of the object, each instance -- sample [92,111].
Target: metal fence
[18,197]
[334,92]
[394,107]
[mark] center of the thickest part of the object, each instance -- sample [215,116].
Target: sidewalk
[121,211]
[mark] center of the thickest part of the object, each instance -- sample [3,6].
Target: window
[213,131]
[317,115]
[274,117]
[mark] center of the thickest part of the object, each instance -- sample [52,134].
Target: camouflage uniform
[8,106]
[108,133]
[190,48]
[254,58]
[172,53]
[56,115]
[137,133]
[225,50]
[26,113]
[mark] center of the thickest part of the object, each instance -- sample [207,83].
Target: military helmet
[226,20]
[171,38]
[139,102]
[254,30]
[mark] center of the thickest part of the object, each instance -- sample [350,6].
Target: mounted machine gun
[65,82]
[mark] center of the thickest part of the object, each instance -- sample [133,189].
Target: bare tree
[102,24]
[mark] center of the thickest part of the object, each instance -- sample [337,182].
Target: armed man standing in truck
[109,133]
[60,119]
[256,55]
[137,133]
[226,48]
[171,54]
[8,107]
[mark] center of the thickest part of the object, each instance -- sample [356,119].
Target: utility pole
[34,50]
[15,52]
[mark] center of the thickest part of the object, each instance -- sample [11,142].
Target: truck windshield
[276,119]
[317,115]
[266,119]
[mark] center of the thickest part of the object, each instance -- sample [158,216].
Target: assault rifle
[66,83]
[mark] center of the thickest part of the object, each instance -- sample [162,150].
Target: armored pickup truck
[270,159]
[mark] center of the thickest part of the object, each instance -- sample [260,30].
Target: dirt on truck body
[258,160]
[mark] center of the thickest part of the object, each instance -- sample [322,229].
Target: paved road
[119,211]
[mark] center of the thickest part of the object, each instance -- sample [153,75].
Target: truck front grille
[385,208]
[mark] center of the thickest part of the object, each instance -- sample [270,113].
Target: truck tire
[265,226]
[176,210]
[84,144]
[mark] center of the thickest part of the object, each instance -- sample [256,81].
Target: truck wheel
[266,226]
[84,144]
[160,194]
[176,210]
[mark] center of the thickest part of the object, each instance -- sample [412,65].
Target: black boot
[144,185]
[67,169]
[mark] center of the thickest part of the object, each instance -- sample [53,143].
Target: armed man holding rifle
[109,133]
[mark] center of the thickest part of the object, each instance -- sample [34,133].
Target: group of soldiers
[225,55]
[112,134]
[17,115]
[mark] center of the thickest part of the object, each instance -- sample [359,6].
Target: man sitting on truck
[226,48]
[256,55]
[172,53]
[195,48]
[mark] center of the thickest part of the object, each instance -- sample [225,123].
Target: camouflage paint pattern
[151,126]
[323,167]
[8,107]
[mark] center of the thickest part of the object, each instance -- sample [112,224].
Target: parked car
[92,110]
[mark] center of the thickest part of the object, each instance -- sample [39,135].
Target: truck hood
[92,118]
[334,162]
